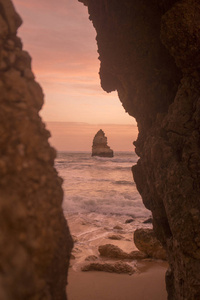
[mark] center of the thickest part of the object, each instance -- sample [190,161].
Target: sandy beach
[89,232]
[148,285]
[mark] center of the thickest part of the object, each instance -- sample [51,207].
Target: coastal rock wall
[35,243]
[149,53]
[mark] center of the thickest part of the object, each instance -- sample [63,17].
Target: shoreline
[89,231]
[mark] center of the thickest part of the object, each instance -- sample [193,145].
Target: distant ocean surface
[100,185]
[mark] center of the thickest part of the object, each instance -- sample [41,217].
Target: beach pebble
[115,237]
[118,227]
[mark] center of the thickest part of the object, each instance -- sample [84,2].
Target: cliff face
[100,146]
[35,243]
[149,53]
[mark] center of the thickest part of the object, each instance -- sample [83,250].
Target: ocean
[100,196]
[100,185]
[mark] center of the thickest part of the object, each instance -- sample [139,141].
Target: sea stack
[100,147]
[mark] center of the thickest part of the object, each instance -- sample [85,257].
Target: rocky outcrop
[117,267]
[100,147]
[112,251]
[149,53]
[146,241]
[35,242]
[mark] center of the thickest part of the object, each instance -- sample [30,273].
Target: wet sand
[148,285]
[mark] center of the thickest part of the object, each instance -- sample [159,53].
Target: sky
[61,41]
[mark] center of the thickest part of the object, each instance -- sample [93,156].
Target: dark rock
[115,237]
[148,221]
[72,256]
[118,267]
[138,255]
[149,53]
[91,258]
[129,221]
[100,147]
[146,241]
[112,251]
[35,241]
[117,227]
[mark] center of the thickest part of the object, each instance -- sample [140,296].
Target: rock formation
[149,53]
[118,267]
[146,241]
[100,147]
[35,242]
[112,251]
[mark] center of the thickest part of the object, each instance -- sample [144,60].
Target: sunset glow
[61,41]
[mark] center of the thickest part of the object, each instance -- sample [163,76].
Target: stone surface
[91,258]
[35,241]
[115,237]
[129,221]
[117,267]
[117,227]
[112,251]
[149,53]
[100,146]
[146,241]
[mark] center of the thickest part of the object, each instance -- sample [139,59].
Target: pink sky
[79,136]
[61,41]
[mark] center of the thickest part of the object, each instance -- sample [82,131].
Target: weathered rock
[149,53]
[129,221]
[117,227]
[100,147]
[138,255]
[112,251]
[146,241]
[91,258]
[117,267]
[115,237]
[35,241]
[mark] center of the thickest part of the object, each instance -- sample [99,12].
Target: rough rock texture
[115,237]
[112,251]
[35,243]
[100,147]
[146,241]
[149,53]
[117,267]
